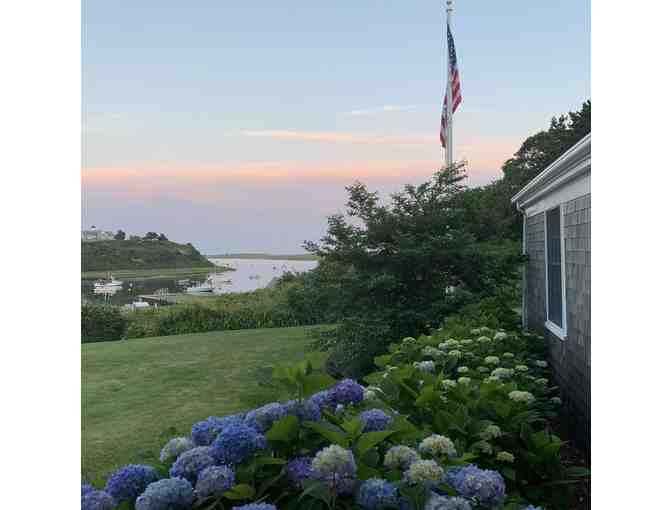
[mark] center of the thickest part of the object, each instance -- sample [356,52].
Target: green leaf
[331,435]
[509,473]
[370,439]
[353,427]
[285,430]
[316,490]
[315,382]
[270,461]
[577,472]
[240,491]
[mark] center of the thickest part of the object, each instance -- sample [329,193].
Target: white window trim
[559,332]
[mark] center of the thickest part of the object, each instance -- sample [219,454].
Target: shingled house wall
[569,358]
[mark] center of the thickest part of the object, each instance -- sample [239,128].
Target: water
[250,274]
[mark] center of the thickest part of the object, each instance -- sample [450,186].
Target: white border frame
[559,332]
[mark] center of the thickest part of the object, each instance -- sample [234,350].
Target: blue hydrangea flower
[377,494]
[255,506]
[127,483]
[235,443]
[436,502]
[190,463]
[263,418]
[204,432]
[86,488]
[346,392]
[97,500]
[166,494]
[485,485]
[322,399]
[214,481]
[532,507]
[308,410]
[375,420]
[299,470]
[176,446]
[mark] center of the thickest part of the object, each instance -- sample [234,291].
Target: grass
[136,394]
[146,274]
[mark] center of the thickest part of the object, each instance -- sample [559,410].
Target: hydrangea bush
[448,422]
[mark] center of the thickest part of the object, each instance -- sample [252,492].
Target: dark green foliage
[486,211]
[139,254]
[101,323]
[120,235]
[387,272]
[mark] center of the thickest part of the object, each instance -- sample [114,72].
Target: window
[555,307]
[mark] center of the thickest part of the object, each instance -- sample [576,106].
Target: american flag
[454,84]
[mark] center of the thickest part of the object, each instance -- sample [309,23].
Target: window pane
[554,266]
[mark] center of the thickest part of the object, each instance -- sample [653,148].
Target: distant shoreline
[264,256]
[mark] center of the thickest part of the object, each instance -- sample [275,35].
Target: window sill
[557,331]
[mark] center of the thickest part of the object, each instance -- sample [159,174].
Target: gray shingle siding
[569,359]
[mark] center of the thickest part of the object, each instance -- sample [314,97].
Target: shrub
[101,323]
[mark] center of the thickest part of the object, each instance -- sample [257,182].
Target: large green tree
[397,260]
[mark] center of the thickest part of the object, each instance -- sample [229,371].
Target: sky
[236,125]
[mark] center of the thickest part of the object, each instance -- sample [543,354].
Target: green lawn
[138,393]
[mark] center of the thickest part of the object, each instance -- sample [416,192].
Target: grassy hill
[113,255]
[137,394]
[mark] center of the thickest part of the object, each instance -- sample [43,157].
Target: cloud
[382,109]
[344,138]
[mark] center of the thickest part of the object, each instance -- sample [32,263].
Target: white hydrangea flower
[437,446]
[508,355]
[433,352]
[424,472]
[175,447]
[505,457]
[491,360]
[491,432]
[448,383]
[483,369]
[462,370]
[467,341]
[492,379]
[464,380]
[556,400]
[500,335]
[408,341]
[522,368]
[468,355]
[541,363]
[455,354]
[476,331]
[449,344]
[400,457]
[521,396]
[542,381]
[333,459]
[502,373]
[483,339]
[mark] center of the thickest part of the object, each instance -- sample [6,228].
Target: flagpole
[448,135]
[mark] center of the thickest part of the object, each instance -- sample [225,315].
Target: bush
[101,323]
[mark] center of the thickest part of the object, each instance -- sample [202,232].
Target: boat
[206,287]
[110,282]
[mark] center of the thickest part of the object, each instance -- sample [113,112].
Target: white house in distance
[95,234]
[556,286]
